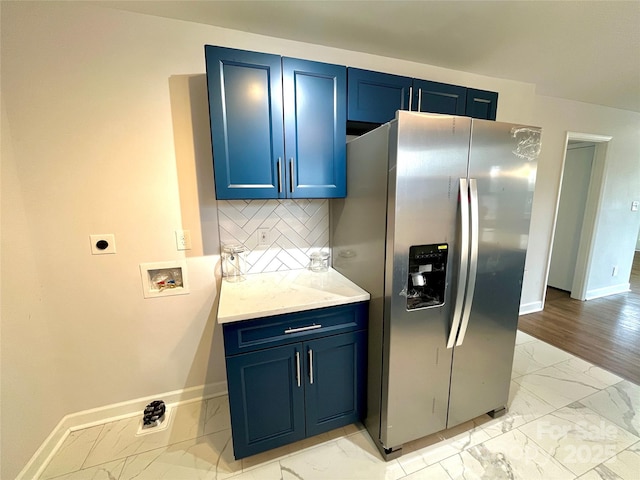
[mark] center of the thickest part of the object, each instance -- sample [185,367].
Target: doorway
[574,191]
[577,213]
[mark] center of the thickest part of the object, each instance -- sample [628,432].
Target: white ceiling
[580,50]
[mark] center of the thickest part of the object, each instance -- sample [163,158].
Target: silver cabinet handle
[279,175]
[298,367]
[464,260]
[473,262]
[310,366]
[302,329]
[419,100]
[291,172]
[410,97]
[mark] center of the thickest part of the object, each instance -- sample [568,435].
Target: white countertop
[275,293]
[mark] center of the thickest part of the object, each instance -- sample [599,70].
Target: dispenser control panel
[427,275]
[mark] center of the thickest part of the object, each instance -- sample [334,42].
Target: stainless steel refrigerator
[435,226]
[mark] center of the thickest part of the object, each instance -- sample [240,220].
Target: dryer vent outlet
[102,244]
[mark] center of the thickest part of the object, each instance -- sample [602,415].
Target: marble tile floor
[566,419]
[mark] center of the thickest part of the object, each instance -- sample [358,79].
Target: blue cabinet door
[482,104]
[374,96]
[335,381]
[245,103]
[315,117]
[434,97]
[266,395]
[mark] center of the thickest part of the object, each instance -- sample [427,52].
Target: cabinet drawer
[249,335]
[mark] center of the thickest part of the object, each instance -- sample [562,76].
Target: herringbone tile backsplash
[296,229]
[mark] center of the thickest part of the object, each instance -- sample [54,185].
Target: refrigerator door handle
[464,261]
[473,263]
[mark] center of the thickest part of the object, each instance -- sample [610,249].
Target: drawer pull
[302,329]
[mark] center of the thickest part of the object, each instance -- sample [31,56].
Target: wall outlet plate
[183,239]
[263,236]
[102,244]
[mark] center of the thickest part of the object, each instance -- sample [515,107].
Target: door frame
[591,213]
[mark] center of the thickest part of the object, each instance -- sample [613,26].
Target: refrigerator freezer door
[481,370]
[428,156]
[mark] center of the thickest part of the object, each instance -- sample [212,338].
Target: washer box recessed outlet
[162,279]
[102,244]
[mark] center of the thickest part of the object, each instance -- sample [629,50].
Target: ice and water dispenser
[427,275]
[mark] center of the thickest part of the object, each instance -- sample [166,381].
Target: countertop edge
[292,309]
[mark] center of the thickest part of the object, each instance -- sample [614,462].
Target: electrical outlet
[263,236]
[103,244]
[183,240]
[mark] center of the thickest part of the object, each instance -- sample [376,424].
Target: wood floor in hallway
[603,331]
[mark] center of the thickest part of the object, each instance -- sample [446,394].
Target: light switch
[634,206]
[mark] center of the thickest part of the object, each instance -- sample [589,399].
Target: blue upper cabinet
[482,104]
[374,97]
[315,118]
[249,119]
[245,104]
[437,97]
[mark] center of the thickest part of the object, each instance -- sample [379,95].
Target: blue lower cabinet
[335,388]
[267,405]
[284,393]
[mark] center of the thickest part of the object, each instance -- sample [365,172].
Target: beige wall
[104,130]
[94,114]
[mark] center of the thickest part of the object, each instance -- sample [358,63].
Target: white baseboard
[603,292]
[110,413]
[531,307]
